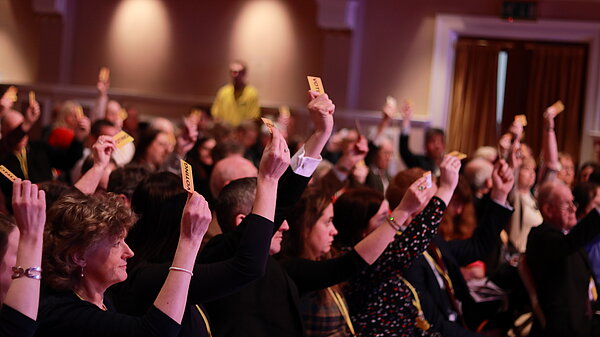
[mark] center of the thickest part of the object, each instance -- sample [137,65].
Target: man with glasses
[565,286]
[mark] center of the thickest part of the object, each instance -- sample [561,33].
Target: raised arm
[101,151]
[409,158]
[29,206]
[337,176]
[99,108]
[320,110]
[495,215]
[416,197]
[275,160]
[551,165]
[173,296]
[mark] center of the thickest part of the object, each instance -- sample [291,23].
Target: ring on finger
[286,150]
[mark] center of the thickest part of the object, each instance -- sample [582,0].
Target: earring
[82,272]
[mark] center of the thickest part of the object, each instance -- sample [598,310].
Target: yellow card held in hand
[558,107]
[122,138]
[11,93]
[6,172]
[458,155]
[79,113]
[186,176]
[315,84]
[284,111]
[269,123]
[104,74]
[522,119]
[31,97]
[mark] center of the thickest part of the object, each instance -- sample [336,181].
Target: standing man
[238,101]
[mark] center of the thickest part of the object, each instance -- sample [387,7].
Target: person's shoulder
[250,90]
[227,88]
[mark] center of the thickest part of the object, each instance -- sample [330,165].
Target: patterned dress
[380,303]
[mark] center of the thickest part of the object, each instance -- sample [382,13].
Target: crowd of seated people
[285,235]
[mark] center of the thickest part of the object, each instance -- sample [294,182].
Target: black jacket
[455,254]
[562,273]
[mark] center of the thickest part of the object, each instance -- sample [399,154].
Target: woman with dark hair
[202,163]
[381,301]
[152,148]
[586,171]
[312,232]
[156,199]
[20,260]
[85,253]
[148,234]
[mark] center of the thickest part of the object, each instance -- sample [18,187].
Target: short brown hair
[75,224]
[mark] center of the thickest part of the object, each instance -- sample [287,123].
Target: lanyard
[421,321]
[205,320]
[439,268]
[339,302]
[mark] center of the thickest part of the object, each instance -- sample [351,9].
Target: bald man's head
[229,169]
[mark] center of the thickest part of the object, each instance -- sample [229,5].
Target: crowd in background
[286,235]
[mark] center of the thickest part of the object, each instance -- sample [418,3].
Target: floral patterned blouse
[380,303]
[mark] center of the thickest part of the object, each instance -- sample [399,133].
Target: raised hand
[353,153]
[83,128]
[549,115]
[407,113]
[102,149]
[502,179]
[29,207]
[188,136]
[103,87]
[32,114]
[416,197]
[321,110]
[7,101]
[449,168]
[276,157]
[196,218]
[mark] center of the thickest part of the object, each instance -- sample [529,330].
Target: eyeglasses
[565,206]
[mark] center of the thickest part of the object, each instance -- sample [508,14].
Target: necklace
[102,306]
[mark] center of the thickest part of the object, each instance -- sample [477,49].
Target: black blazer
[414,160]
[456,253]
[562,273]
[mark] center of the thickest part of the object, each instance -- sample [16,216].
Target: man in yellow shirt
[238,101]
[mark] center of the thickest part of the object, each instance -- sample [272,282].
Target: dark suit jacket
[270,306]
[414,160]
[456,253]
[41,159]
[561,271]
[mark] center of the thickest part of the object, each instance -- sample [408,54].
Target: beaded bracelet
[182,269]
[32,272]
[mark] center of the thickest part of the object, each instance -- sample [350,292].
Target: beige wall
[398,42]
[18,42]
[189,55]
[186,47]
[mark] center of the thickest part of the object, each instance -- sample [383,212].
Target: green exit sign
[519,10]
